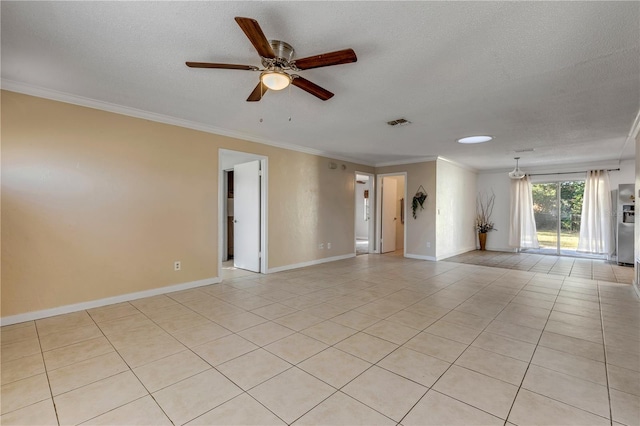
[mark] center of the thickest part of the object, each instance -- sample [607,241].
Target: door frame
[378,190]
[243,157]
[372,213]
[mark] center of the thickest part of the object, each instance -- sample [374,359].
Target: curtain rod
[567,173]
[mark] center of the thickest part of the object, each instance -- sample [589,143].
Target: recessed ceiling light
[475,139]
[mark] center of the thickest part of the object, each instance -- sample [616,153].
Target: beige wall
[422,229]
[97,204]
[455,209]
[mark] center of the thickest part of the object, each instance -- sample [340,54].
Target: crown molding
[406,161]
[631,137]
[54,95]
[635,129]
[560,168]
[455,163]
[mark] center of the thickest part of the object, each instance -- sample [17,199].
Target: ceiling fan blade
[257,93]
[326,59]
[223,66]
[253,31]
[310,87]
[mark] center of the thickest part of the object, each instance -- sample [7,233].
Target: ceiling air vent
[399,122]
[524,150]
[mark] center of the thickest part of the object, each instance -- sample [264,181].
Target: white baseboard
[455,253]
[502,249]
[420,257]
[30,316]
[310,263]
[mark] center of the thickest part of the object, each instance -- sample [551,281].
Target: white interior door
[388,222]
[246,211]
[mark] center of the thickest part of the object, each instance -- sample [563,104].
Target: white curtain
[595,221]
[522,230]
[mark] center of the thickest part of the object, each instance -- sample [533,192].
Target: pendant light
[516,173]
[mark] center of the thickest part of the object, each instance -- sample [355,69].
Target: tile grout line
[197,355]
[604,349]
[562,402]
[428,388]
[46,371]
[468,346]
[533,354]
[377,362]
[379,298]
[128,366]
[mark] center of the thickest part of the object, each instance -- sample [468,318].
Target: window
[557,207]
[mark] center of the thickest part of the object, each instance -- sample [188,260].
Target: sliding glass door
[557,207]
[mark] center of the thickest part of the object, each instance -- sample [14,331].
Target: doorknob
[235,221]
[395,218]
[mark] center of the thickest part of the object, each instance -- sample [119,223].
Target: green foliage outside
[545,205]
[568,240]
[545,210]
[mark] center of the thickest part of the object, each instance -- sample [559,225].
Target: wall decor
[418,201]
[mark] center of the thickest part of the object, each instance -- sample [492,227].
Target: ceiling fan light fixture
[275,80]
[516,173]
[475,139]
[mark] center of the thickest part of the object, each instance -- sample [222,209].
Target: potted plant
[484,209]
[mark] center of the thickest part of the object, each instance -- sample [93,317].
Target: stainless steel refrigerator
[625,217]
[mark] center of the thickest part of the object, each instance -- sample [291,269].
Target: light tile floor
[595,269]
[369,340]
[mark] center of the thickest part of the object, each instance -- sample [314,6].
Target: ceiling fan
[278,58]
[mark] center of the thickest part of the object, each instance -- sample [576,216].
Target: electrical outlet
[321,246]
[177,265]
[328,246]
[428,244]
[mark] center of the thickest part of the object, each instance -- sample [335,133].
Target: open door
[246,234]
[388,220]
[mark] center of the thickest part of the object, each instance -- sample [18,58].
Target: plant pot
[482,237]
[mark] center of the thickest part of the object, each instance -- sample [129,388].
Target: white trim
[41,92]
[407,161]
[560,168]
[264,214]
[420,257]
[631,137]
[264,201]
[635,128]
[455,163]
[310,263]
[30,316]
[455,253]
[500,249]
[378,222]
[371,229]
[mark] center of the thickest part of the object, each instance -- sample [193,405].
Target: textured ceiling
[560,77]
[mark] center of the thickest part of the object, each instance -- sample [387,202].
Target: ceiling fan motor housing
[284,54]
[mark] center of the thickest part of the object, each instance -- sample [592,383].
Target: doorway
[242,198]
[557,210]
[391,210]
[364,229]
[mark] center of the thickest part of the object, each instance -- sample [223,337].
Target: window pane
[571,194]
[545,209]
